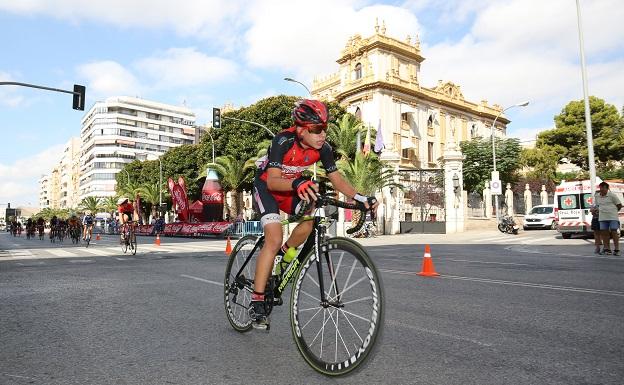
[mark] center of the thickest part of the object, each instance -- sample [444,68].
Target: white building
[45,189]
[69,174]
[59,189]
[379,81]
[122,129]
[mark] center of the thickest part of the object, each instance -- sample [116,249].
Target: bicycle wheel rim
[336,340]
[237,302]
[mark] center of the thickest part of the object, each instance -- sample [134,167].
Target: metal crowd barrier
[240,229]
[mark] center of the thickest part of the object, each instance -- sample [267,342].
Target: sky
[205,53]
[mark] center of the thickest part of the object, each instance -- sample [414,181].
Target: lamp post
[588,123]
[296,81]
[495,173]
[212,139]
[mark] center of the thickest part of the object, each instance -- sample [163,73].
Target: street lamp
[296,81]
[495,173]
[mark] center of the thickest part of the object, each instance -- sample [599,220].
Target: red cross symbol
[590,200]
[568,202]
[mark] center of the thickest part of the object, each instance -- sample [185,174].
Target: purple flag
[379,144]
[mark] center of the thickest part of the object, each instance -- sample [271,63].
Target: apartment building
[45,191]
[122,129]
[59,189]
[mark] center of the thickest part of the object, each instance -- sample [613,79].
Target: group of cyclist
[59,227]
[72,226]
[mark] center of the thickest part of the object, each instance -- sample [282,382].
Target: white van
[574,199]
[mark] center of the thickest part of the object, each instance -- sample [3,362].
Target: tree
[478,164]
[367,174]
[182,161]
[569,139]
[150,197]
[342,135]
[92,204]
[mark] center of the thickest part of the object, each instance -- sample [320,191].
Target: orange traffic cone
[97,237]
[427,267]
[157,241]
[228,247]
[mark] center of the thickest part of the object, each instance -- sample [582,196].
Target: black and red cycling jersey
[287,154]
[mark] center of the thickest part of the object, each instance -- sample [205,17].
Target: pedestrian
[608,207]
[595,226]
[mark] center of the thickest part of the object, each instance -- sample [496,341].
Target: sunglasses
[316,129]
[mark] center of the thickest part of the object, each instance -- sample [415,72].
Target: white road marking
[60,253]
[81,261]
[495,263]
[97,251]
[515,283]
[202,280]
[453,336]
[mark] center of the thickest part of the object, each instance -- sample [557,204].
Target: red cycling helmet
[310,113]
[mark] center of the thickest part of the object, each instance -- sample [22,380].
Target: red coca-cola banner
[179,198]
[187,229]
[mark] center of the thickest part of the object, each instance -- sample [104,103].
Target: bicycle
[354,299]
[75,234]
[87,239]
[128,238]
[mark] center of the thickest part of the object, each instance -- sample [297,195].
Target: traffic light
[79,97]
[216,118]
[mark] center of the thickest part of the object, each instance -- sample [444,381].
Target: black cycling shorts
[269,203]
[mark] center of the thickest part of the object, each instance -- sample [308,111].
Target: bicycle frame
[313,242]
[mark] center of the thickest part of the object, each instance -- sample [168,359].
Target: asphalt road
[531,309]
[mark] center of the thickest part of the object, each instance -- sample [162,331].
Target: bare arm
[341,184]
[275,182]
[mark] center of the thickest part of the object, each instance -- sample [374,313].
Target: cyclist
[40,225]
[279,185]
[87,225]
[127,211]
[54,221]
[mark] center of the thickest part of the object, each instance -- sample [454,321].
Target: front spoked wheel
[336,337]
[238,289]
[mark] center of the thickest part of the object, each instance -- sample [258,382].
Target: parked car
[541,217]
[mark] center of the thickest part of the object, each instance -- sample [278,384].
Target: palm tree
[367,174]
[92,204]
[109,204]
[128,189]
[261,150]
[343,135]
[234,172]
[150,195]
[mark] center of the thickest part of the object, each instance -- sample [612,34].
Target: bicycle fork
[320,248]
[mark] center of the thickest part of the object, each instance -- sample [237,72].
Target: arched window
[358,71]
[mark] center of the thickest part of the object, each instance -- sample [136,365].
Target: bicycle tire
[124,245]
[362,309]
[237,306]
[133,243]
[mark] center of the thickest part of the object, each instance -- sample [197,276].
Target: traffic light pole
[250,122]
[78,92]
